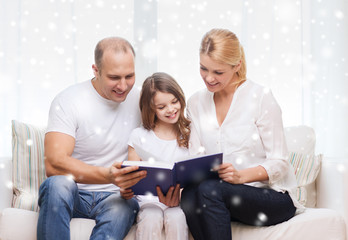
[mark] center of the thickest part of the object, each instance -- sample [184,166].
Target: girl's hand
[126,193]
[171,199]
[229,174]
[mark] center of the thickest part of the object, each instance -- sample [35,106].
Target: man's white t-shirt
[101,127]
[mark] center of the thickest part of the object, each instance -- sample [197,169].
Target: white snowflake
[236,201]
[29,142]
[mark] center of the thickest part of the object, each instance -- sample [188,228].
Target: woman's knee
[189,198]
[209,189]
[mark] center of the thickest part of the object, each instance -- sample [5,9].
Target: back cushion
[301,145]
[28,168]
[300,139]
[306,168]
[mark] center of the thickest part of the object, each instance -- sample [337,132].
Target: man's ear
[95,70]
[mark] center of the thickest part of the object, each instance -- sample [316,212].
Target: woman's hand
[229,174]
[171,199]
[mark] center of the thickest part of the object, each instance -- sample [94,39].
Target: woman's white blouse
[252,134]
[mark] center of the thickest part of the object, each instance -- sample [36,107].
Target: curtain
[296,48]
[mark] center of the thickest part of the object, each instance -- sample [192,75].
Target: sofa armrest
[5,183]
[331,185]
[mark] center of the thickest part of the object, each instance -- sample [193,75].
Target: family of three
[94,125]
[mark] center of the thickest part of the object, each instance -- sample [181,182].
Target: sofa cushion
[306,168]
[314,223]
[28,168]
[318,224]
[12,219]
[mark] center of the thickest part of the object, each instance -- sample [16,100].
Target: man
[86,140]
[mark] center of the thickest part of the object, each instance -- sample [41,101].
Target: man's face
[116,77]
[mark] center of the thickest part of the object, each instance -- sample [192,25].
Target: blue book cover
[185,172]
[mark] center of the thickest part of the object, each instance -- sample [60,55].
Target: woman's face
[216,75]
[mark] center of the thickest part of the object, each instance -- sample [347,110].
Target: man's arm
[58,161]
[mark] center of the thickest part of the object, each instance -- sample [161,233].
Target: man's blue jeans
[60,200]
[212,205]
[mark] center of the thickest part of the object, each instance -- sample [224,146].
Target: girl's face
[167,107]
[216,75]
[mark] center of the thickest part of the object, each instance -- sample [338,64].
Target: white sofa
[322,221]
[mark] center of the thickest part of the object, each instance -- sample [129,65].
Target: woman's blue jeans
[212,205]
[60,200]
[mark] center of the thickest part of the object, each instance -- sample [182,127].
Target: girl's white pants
[155,217]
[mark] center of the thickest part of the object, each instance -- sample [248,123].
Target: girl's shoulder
[140,131]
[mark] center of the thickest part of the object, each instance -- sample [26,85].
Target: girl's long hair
[163,82]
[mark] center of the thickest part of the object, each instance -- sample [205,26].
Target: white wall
[297,48]
[47,45]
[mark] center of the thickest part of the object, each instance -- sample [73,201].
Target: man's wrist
[105,173]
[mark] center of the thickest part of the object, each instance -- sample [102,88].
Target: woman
[240,118]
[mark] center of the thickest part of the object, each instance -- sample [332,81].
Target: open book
[185,171]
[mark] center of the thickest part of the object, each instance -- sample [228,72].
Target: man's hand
[171,199]
[125,177]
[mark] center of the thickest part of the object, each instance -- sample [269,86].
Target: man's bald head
[115,44]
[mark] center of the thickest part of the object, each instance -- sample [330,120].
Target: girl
[165,132]
[243,120]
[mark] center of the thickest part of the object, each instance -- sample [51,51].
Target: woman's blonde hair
[222,45]
[163,82]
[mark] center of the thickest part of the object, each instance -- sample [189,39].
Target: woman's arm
[271,130]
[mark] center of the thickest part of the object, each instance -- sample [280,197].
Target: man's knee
[58,187]
[114,205]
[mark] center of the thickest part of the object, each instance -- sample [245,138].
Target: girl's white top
[166,150]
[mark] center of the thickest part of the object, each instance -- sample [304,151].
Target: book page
[148,164]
